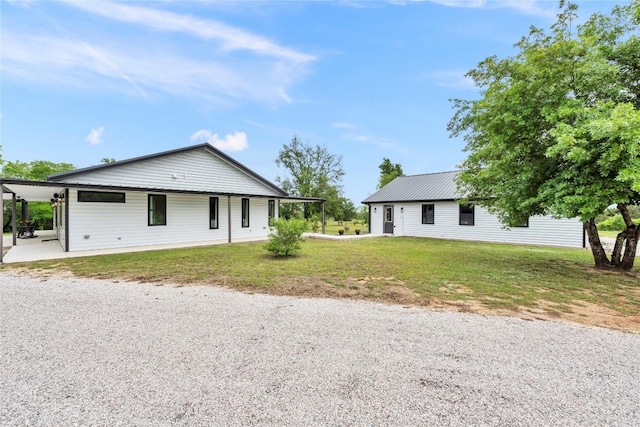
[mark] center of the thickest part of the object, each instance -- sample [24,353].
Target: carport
[25,191]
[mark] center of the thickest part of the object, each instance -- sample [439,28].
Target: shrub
[285,236]
[614,223]
[314,220]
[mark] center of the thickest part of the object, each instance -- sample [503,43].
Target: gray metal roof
[418,188]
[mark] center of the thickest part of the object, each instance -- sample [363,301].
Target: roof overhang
[42,191]
[31,191]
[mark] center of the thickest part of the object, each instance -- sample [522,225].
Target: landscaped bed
[525,281]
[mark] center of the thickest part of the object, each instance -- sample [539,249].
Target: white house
[427,206]
[192,194]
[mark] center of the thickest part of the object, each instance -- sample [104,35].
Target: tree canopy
[557,127]
[311,172]
[388,172]
[37,170]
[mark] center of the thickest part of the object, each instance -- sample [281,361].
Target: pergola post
[2,221]
[229,216]
[14,220]
[323,218]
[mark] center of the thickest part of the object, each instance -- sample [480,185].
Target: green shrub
[285,236]
[614,223]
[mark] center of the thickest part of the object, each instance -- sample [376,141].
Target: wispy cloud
[236,141]
[236,67]
[231,38]
[95,136]
[452,79]
[343,125]
[352,133]
[527,7]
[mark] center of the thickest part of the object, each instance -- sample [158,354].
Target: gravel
[102,353]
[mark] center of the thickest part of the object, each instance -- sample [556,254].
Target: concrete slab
[343,237]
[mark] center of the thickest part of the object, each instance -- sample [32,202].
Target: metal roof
[418,188]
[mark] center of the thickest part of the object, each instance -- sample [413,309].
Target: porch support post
[229,216]
[2,221]
[14,220]
[66,220]
[323,218]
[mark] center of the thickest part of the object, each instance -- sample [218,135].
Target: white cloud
[352,133]
[231,38]
[527,7]
[452,79]
[343,125]
[95,136]
[236,141]
[235,67]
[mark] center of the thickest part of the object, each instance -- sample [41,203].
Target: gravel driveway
[85,352]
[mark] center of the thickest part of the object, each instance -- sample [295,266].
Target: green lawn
[333,227]
[418,271]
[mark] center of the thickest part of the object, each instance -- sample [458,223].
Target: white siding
[377,218]
[542,230]
[196,170]
[113,225]
[258,220]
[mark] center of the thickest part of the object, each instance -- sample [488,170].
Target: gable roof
[418,188]
[64,176]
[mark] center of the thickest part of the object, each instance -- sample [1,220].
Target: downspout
[323,218]
[66,220]
[229,216]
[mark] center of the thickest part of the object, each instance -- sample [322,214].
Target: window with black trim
[428,211]
[272,209]
[245,212]
[157,209]
[467,214]
[100,196]
[213,213]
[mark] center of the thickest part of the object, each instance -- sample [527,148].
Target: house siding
[542,230]
[114,225]
[196,170]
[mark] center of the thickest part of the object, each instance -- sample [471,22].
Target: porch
[43,248]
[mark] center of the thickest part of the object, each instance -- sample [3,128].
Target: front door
[388,219]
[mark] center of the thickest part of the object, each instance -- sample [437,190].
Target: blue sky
[369,79]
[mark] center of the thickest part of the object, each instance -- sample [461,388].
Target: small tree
[286,236]
[388,172]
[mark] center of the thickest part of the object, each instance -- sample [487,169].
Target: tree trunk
[617,249]
[599,254]
[631,234]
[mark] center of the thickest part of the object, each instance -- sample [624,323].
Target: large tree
[557,127]
[388,172]
[311,172]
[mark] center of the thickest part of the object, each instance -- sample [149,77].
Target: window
[157,209]
[100,197]
[272,209]
[523,224]
[466,214]
[428,213]
[213,213]
[245,212]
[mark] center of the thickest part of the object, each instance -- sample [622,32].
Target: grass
[332,227]
[417,271]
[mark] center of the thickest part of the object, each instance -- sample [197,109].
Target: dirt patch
[392,291]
